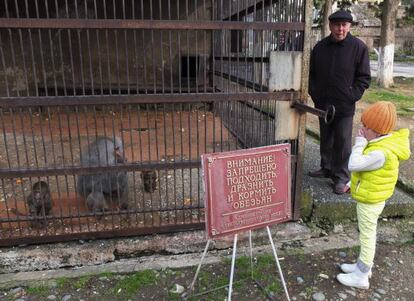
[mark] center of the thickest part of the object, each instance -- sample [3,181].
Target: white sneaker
[356,279]
[350,267]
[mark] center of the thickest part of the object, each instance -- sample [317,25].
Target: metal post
[199,265]
[233,260]
[277,263]
[251,253]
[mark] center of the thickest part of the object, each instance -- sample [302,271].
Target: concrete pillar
[285,75]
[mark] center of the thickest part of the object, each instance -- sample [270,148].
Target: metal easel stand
[233,260]
[277,263]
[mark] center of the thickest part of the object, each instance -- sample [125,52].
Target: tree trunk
[327,10]
[386,49]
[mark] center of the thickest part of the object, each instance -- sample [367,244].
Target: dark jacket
[339,74]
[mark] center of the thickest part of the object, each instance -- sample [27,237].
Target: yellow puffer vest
[378,185]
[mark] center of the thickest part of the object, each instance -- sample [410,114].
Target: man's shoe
[356,279]
[341,188]
[350,267]
[320,173]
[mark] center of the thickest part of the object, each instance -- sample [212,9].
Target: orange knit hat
[380,117]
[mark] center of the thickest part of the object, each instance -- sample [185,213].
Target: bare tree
[386,49]
[327,10]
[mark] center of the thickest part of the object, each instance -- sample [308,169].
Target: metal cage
[169,79]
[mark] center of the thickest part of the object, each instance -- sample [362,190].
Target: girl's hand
[361,132]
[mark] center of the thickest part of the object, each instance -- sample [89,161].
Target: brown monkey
[39,202]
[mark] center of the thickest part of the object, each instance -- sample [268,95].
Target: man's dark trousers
[336,147]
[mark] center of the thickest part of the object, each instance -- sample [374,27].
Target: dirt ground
[307,276]
[406,167]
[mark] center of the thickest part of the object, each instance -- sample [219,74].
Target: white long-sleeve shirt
[371,161]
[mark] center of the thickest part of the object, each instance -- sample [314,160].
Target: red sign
[246,189]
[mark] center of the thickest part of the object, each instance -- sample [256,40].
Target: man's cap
[380,117]
[340,16]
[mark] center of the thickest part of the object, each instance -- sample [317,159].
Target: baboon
[96,202]
[112,185]
[39,202]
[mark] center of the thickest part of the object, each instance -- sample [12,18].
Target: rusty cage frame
[171,79]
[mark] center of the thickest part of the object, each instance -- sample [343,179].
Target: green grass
[396,94]
[41,291]
[398,57]
[106,274]
[62,282]
[82,281]
[409,242]
[131,284]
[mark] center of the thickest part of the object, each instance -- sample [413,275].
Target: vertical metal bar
[189,158]
[62,66]
[95,119]
[136,64]
[51,45]
[204,51]
[126,50]
[53,147]
[72,163]
[174,156]
[277,262]
[7,209]
[41,53]
[149,159]
[197,55]
[42,137]
[104,113]
[3,127]
[233,262]
[117,53]
[71,52]
[182,155]
[32,54]
[199,265]
[85,116]
[170,51]
[157,157]
[3,63]
[22,127]
[14,131]
[63,159]
[144,53]
[154,76]
[179,61]
[132,145]
[188,48]
[26,73]
[12,48]
[115,163]
[98,45]
[141,154]
[162,52]
[14,193]
[80,152]
[197,120]
[88,46]
[166,159]
[108,62]
[251,253]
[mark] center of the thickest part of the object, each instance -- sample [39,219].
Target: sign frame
[215,184]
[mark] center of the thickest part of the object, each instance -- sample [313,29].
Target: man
[339,75]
